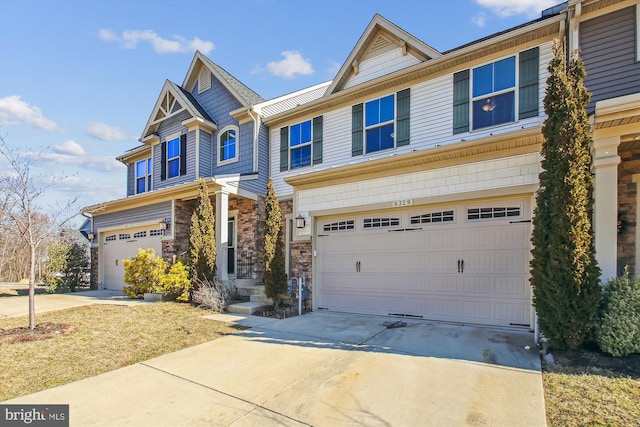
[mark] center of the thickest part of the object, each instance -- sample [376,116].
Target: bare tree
[24,192]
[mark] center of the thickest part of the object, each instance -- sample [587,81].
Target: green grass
[575,398]
[101,338]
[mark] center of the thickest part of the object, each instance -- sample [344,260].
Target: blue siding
[260,185]
[608,45]
[167,128]
[153,212]
[206,154]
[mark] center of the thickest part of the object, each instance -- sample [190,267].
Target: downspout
[256,133]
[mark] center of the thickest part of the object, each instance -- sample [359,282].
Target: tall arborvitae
[275,278]
[564,272]
[202,240]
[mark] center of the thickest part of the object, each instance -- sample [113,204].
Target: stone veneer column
[222,234]
[606,161]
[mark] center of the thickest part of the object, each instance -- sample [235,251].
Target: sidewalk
[19,306]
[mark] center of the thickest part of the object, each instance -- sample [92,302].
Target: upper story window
[494,93]
[173,157]
[143,175]
[500,92]
[301,144]
[228,146]
[173,153]
[380,124]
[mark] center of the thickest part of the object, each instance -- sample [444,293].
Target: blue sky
[79,78]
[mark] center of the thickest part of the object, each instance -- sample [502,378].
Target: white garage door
[123,244]
[462,263]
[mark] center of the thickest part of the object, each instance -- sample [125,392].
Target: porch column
[606,161]
[222,234]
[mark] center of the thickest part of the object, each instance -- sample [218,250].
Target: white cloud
[79,161]
[292,64]
[105,132]
[14,111]
[479,19]
[129,39]
[69,147]
[506,8]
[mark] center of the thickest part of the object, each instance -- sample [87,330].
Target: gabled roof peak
[239,90]
[380,36]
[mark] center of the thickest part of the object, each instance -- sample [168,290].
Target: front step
[246,307]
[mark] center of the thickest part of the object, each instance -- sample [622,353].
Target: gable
[172,101]
[382,49]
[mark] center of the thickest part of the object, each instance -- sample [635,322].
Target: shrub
[618,328]
[66,267]
[211,294]
[175,284]
[143,273]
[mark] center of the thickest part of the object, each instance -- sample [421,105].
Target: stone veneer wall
[180,242]
[249,229]
[627,193]
[93,277]
[300,256]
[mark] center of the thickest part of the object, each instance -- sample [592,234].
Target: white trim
[197,152]
[237,144]
[638,32]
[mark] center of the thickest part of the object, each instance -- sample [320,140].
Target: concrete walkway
[322,369]
[19,306]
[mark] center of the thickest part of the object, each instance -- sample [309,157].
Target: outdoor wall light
[163,224]
[300,222]
[91,235]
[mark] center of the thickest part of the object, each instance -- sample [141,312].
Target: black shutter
[357,122]
[131,179]
[461,102]
[163,161]
[284,149]
[528,83]
[317,140]
[183,154]
[402,122]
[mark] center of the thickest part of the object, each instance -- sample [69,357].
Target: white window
[228,145]
[143,176]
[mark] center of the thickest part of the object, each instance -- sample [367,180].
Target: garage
[462,263]
[118,245]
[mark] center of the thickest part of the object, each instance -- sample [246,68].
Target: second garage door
[463,263]
[123,244]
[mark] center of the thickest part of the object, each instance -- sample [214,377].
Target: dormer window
[143,176]
[228,145]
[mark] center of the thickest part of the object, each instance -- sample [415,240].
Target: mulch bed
[43,331]
[589,359]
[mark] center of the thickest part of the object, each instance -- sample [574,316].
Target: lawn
[90,340]
[588,388]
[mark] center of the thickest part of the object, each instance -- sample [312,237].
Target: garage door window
[153,233]
[124,236]
[340,226]
[493,212]
[110,238]
[380,222]
[139,234]
[433,217]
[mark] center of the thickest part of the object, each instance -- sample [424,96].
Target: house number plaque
[401,203]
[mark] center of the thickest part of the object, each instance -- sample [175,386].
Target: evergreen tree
[202,241]
[275,277]
[564,272]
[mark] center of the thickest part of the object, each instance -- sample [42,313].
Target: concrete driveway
[323,369]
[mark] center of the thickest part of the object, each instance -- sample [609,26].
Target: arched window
[228,145]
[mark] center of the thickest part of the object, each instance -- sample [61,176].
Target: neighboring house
[412,174]
[608,36]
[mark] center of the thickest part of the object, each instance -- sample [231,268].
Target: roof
[286,102]
[241,91]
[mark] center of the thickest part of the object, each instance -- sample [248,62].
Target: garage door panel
[416,272]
